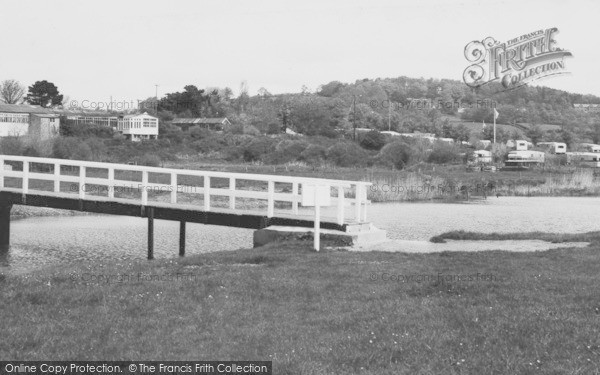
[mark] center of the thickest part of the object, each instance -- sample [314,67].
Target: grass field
[333,312]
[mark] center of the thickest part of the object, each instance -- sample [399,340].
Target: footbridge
[254,201]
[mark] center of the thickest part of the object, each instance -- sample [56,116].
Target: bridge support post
[150,214]
[5,225]
[182,238]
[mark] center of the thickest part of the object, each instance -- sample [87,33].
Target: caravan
[554,147]
[590,147]
[586,159]
[524,159]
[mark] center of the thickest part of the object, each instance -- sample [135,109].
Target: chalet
[219,123]
[26,119]
[138,127]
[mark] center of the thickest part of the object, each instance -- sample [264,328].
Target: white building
[24,119]
[138,127]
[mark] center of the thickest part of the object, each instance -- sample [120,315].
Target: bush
[396,154]
[11,146]
[251,130]
[286,151]
[444,153]
[314,155]
[373,140]
[273,128]
[198,132]
[206,145]
[347,155]
[71,148]
[150,160]
[255,150]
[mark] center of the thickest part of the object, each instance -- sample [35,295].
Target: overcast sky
[92,50]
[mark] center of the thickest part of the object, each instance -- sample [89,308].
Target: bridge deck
[163,211]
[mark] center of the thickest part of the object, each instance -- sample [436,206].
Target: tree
[535,133]
[44,93]
[11,91]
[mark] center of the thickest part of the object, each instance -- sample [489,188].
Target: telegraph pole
[354,118]
[389,116]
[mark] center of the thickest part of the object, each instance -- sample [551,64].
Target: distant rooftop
[23,108]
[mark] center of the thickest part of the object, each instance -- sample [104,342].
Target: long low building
[24,119]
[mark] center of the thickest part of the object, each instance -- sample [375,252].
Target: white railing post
[111,182]
[340,205]
[1,172]
[81,182]
[206,193]
[56,177]
[295,197]
[25,180]
[366,203]
[271,199]
[232,192]
[144,190]
[173,188]
[357,201]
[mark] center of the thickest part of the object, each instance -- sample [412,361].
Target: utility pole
[389,116]
[354,118]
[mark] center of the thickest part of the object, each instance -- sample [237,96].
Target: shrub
[314,155]
[150,160]
[443,153]
[198,132]
[273,128]
[396,154]
[11,146]
[373,140]
[71,148]
[347,155]
[256,149]
[251,130]
[208,144]
[286,151]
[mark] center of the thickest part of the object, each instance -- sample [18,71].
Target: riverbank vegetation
[332,312]
[461,235]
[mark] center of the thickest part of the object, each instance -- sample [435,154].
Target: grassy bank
[461,235]
[331,312]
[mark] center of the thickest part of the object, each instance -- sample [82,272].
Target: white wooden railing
[344,193]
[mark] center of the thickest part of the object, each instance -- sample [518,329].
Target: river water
[42,241]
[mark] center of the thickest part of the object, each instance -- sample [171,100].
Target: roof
[144,115]
[200,120]
[24,108]
[83,113]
